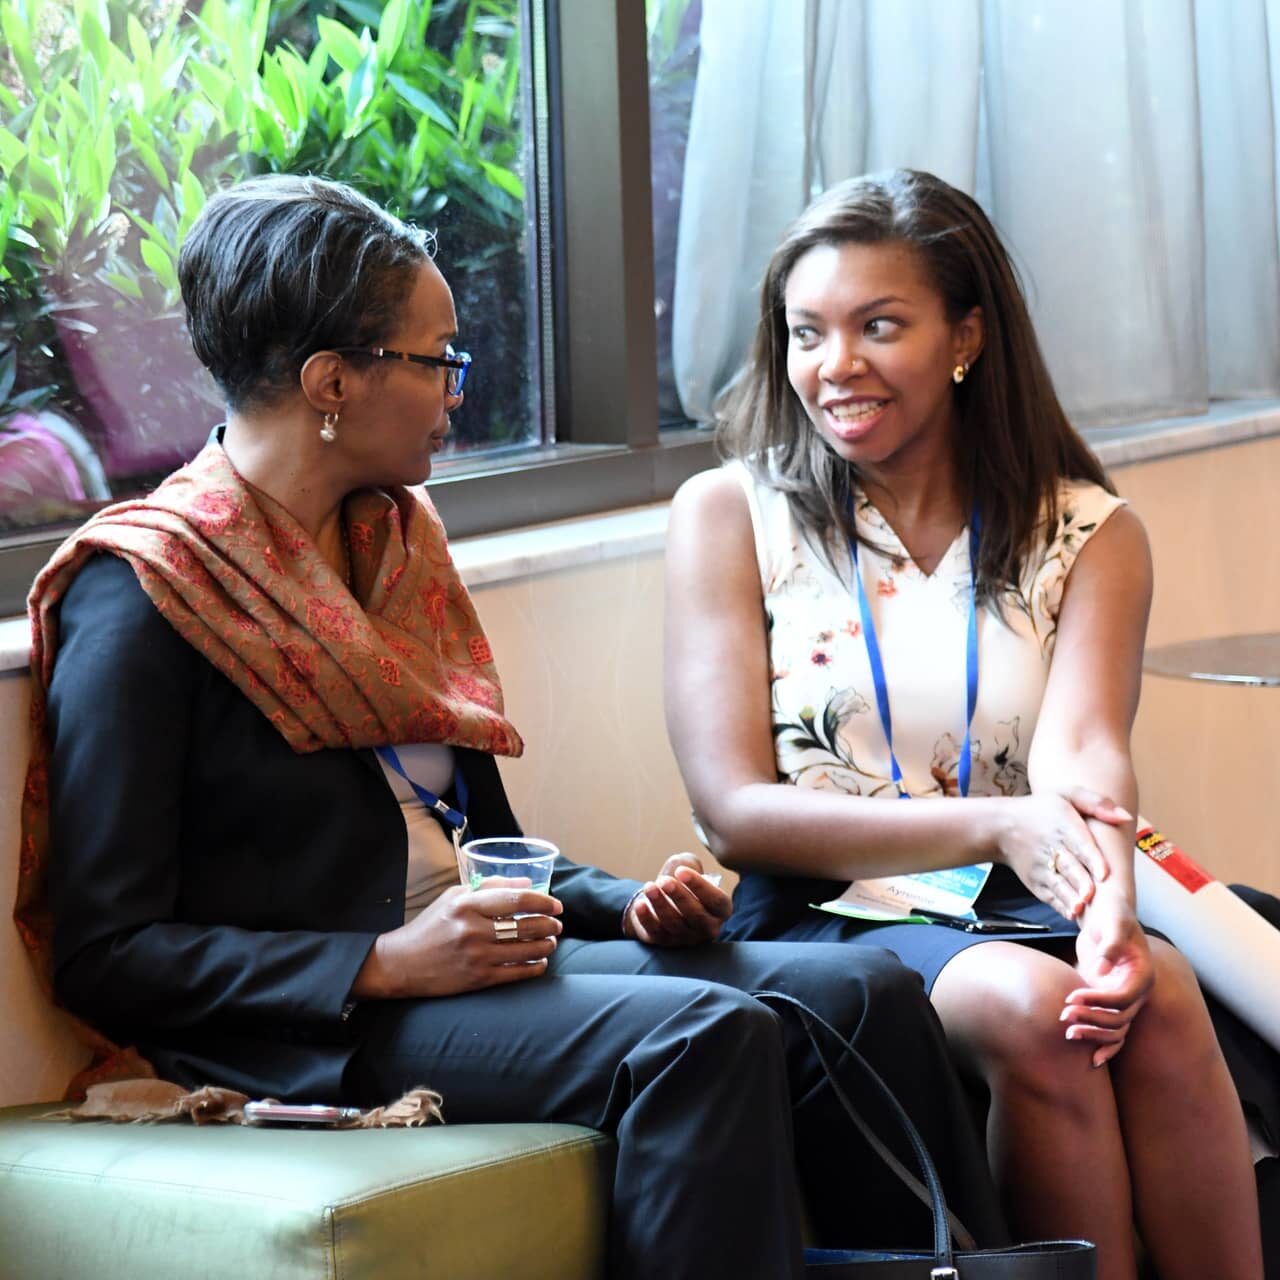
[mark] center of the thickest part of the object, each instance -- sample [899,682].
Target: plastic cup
[508,858]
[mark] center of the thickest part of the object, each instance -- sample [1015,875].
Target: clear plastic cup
[508,858]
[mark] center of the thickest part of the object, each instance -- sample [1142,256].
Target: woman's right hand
[1045,839]
[453,946]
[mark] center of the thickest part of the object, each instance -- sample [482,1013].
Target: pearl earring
[329,432]
[959,373]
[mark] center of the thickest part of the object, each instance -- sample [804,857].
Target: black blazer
[215,894]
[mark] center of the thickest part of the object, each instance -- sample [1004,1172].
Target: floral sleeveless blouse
[827,730]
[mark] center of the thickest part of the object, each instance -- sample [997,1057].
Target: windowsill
[1227,422]
[488,559]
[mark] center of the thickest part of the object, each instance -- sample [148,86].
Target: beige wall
[580,651]
[1208,756]
[38,1053]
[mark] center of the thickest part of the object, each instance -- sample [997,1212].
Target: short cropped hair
[281,266]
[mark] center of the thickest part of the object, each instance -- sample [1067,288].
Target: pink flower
[886,587]
[820,658]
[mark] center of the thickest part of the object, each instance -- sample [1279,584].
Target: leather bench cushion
[150,1202]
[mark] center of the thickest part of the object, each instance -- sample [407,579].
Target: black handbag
[1047,1260]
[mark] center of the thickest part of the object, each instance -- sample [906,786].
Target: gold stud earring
[329,431]
[959,373]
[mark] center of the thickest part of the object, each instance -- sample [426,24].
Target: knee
[1014,1031]
[852,986]
[724,1019]
[1173,1032]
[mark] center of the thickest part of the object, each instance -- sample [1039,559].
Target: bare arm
[718,717]
[1082,739]
[1082,735]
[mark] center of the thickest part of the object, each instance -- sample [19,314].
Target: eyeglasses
[455,363]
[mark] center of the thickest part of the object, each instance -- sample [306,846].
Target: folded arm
[1082,741]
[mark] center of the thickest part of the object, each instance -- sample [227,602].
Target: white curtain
[1125,149]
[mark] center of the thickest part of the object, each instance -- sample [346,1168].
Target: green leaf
[270,139]
[18,38]
[363,11]
[43,178]
[360,93]
[213,82]
[93,38]
[106,148]
[139,45]
[341,44]
[391,27]
[12,149]
[420,101]
[123,284]
[419,148]
[89,185]
[147,154]
[283,93]
[420,28]
[33,398]
[504,178]
[160,259]
[193,199]
[468,101]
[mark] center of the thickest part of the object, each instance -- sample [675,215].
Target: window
[119,118]
[1127,164]
[461,115]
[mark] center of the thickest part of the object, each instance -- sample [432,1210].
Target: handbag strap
[945,1223]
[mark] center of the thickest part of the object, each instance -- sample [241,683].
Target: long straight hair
[1013,445]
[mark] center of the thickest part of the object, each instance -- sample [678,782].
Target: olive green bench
[153,1202]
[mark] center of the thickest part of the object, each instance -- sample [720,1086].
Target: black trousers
[716,1102]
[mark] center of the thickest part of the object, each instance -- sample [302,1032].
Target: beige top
[827,730]
[433,865]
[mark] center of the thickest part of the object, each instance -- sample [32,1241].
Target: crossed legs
[1156,1135]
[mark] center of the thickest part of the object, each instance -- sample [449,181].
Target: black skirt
[779,907]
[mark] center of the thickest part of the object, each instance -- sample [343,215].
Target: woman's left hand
[1113,957]
[680,908]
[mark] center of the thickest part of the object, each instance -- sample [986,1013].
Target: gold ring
[1053,862]
[506,930]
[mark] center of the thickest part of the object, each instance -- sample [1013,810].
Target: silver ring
[506,930]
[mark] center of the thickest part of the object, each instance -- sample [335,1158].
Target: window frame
[593,248]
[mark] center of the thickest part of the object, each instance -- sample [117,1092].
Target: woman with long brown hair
[912,581]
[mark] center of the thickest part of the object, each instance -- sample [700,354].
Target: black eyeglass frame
[456,362]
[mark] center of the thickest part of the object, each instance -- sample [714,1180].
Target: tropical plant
[117,117]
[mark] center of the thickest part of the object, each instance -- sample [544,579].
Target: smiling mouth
[853,420]
[858,412]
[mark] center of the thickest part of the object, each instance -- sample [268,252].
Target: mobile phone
[991,923]
[311,1114]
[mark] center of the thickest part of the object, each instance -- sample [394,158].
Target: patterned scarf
[400,657]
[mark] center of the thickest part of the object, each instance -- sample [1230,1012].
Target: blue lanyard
[971,663]
[454,818]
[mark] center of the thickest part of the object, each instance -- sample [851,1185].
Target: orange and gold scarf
[400,657]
